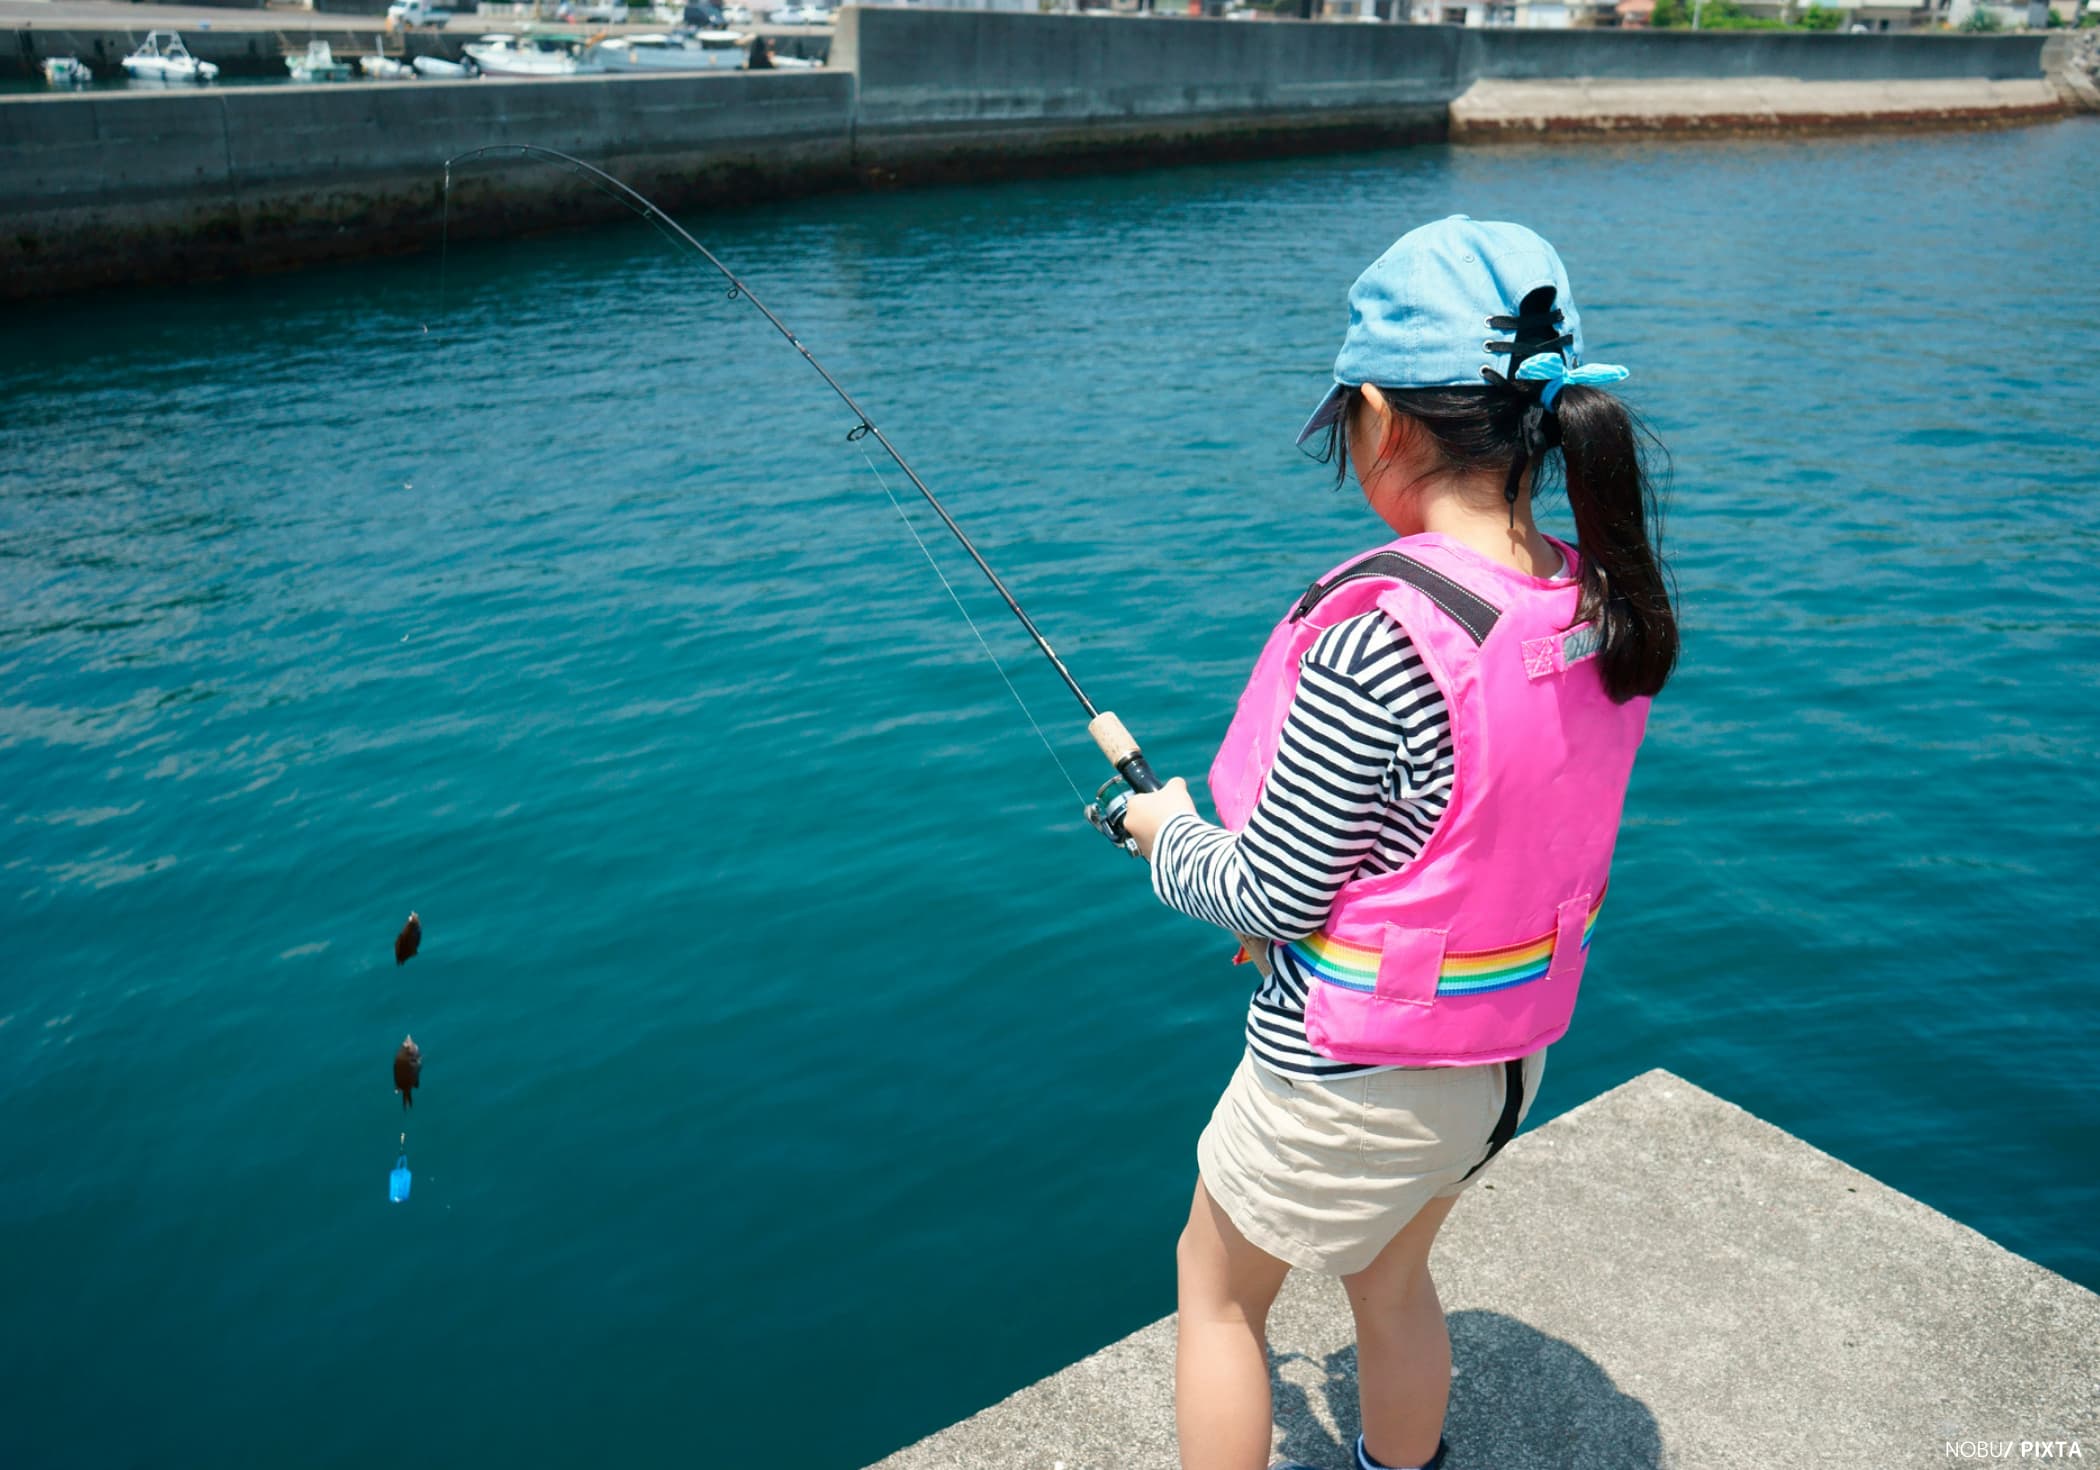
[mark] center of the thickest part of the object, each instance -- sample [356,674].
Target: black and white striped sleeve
[1362,692]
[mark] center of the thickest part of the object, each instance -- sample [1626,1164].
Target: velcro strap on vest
[1470,612]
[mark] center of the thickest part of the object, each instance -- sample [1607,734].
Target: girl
[1420,793]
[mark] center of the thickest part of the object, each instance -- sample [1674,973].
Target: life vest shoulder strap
[1471,612]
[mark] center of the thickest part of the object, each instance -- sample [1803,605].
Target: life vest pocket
[1572,919]
[1410,964]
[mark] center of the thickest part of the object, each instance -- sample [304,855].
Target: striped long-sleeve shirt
[1363,772]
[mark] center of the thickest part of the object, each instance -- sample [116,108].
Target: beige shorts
[1324,1174]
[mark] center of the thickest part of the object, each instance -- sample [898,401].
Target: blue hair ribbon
[1556,375]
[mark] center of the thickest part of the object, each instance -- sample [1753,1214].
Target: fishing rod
[1133,773]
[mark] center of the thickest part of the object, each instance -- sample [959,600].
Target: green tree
[1822,18]
[1982,20]
[1712,15]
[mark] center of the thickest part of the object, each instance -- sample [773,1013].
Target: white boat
[67,71]
[526,56]
[439,69]
[673,51]
[383,67]
[795,63]
[317,65]
[163,58]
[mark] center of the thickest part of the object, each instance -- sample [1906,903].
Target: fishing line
[444,239]
[863,428]
[956,598]
[1115,742]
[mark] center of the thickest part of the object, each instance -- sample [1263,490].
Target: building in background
[1541,15]
[2010,16]
[1867,15]
[1856,15]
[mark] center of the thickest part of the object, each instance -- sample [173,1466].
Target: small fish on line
[408,940]
[408,1071]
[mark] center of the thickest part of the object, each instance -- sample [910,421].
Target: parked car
[800,15]
[736,15]
[704,15]
[405,13]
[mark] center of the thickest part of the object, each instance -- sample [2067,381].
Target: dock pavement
[1654,1279]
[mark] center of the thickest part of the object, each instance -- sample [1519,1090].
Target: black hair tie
[1538,432]
[1535,331]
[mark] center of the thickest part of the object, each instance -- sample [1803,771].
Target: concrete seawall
[137,187]
[937,98]
[1808,56]
[1616,84]
[130,188]
[941,98]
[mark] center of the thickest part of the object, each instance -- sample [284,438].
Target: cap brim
[1329,410]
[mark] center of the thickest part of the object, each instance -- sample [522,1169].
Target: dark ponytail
[1623,586]
[1604,471]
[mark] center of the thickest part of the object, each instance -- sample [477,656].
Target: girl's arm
[1359,704]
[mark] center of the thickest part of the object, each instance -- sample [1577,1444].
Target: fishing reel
[1106,810]
[1133,774]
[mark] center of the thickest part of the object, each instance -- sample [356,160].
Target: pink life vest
[1473,951]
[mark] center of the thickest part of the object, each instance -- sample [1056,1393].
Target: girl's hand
[1151,810]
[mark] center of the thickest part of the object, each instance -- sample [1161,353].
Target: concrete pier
[1655,1279]
[1496,110]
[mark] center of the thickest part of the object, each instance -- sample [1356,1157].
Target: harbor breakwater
[138,187]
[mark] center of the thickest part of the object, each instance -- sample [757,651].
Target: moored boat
[670,51]
[318,64]
[383,67]
[539,54]
[163,58]
[439,69]
[67,71]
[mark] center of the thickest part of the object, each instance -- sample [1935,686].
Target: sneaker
[1435,1461]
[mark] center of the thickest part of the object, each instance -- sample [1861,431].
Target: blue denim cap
[1418,316]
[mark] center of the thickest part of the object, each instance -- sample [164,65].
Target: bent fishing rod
[1133,773]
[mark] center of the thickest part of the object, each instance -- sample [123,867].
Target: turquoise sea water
[800,1074]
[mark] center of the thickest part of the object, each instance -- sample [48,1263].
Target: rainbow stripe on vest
[1465,972]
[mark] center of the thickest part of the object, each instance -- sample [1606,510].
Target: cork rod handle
[1114,740]
[1122,751]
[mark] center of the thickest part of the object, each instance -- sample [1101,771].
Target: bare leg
[1403,1349]
[1221,1350]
